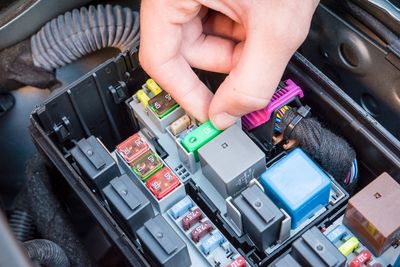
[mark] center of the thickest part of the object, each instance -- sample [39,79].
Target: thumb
[251,83]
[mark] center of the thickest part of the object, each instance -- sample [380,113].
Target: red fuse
[238,262]
[132,148]
[361,259]
[162,182]
[191,218]
[200,231]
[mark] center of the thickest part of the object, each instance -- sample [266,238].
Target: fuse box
[175,191]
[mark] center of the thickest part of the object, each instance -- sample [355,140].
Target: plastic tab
[121,188]
[90,152]
[155,230]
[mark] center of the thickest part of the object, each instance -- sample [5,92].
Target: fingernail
[223,120]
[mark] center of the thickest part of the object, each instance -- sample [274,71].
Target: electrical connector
[284,95]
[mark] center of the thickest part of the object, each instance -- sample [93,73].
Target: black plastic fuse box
[58,125]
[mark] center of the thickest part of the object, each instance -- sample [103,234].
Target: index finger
[160,57]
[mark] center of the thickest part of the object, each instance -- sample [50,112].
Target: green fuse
[199,137]
[146,165]
[162,104]
[349,246]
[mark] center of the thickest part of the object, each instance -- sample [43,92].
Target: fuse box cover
[298,185]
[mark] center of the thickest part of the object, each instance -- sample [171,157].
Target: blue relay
[298,185]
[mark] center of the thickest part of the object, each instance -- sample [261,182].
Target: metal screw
[124,192]
[320,247]
[90,152]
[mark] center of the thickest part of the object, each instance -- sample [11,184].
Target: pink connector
[281,97]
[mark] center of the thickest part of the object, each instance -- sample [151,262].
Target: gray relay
[231,160]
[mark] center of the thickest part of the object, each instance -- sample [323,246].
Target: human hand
[252,40]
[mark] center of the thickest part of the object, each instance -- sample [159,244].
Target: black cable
[332,152]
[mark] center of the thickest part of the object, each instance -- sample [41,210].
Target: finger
[218,24]
[251,82]
[160,57]
[212,53]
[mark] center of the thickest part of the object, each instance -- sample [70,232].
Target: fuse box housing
[66,118]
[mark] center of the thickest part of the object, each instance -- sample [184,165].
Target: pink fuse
[361,259]
[238,262]
[132,148]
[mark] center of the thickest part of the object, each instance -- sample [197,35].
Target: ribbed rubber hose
[46,253]
[83,31]
[22,225]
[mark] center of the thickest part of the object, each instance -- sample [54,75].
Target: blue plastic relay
[298,185]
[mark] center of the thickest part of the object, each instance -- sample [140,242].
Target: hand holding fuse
[162,104]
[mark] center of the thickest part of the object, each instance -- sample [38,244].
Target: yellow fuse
[142,97]
[348,247]
[153,87]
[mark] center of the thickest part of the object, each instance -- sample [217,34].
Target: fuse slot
[203,234]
